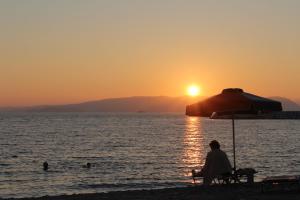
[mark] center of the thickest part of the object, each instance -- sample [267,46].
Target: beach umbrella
[232,104]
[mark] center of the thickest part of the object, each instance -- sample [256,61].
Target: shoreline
[233,191]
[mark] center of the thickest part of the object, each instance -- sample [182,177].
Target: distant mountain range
[126,104]
[135,104]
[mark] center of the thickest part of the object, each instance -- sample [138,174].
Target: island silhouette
[138,104]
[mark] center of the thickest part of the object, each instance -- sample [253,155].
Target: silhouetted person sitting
[216,163]
[45,166]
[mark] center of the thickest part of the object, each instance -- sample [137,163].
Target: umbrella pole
[233,139]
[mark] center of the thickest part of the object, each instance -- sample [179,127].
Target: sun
[193,90]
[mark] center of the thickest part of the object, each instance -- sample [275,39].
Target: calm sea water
[131,151]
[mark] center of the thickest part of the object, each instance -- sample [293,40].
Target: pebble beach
[233,191]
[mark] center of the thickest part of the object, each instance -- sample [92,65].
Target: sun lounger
[221,179]
[283,182]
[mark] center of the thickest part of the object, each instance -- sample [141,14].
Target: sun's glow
[193,90]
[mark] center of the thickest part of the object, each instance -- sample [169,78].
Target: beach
[233,191]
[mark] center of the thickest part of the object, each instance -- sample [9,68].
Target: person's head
[45,166]
[214,145]
[88,165]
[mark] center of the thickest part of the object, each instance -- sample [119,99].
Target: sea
[131,151]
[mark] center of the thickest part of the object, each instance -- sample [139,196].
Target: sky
[68,51]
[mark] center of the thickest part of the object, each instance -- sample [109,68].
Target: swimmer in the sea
[88,165]
[45,166]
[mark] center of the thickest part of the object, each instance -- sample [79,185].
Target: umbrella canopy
[233,100]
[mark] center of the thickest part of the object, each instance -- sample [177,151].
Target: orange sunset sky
[55,52]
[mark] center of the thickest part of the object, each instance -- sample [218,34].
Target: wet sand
[235,192]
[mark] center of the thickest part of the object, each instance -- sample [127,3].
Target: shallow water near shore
[131,150]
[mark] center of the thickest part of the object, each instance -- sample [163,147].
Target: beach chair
[225,178]
[245,175]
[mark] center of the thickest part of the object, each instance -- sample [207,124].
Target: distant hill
[287,104]
[127,104]
[135,104]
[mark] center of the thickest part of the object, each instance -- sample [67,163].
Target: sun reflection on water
[193,148]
